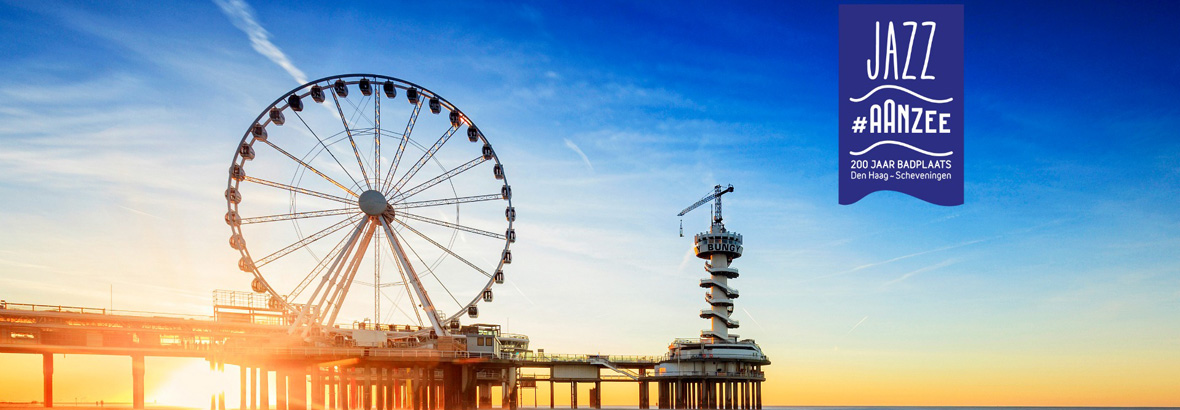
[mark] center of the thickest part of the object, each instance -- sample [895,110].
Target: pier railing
[585,358]
[744,373]
[30,307]
[358,352]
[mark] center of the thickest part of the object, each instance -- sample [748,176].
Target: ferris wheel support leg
[413,277]
[328,279]
[346,284]
[339,274]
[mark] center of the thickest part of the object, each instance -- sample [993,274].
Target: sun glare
[192,385]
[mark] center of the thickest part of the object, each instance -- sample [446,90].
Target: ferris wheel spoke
[305,241]
[401,147]
[431,271]
[409,293]
[402,196]
[395,304]
[360,162]
[356,111]
[377,276]
[304,191]
[377,138]
[449,201]
[452,225]
[322,144]
[298,215]
[426,156]
[403,260]
[309,167]
[444,249]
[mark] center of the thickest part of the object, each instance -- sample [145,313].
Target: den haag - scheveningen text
[889,117]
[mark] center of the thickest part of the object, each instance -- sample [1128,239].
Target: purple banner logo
[901,101]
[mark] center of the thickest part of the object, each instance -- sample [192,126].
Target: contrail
[862,320]
[242,16]
[139,212]
[574,147]
[521,292]
[907,275]
[870,265]
[752,318]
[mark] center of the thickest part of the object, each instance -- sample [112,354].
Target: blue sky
[118,120]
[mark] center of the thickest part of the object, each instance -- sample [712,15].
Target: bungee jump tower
[716,370]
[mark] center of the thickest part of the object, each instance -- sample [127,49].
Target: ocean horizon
[115,405]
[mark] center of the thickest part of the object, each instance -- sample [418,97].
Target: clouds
[242,16]
[156,100]
[570,144]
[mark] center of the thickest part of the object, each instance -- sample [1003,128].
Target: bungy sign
[901,101]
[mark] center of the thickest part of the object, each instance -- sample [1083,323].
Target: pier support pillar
[242,386]
[137,382]
[573,395]
[758,395]
[550,393]
[732,395]
[221,394]
[659,394]
[253,388]
[643,395]
[390,388]
[367,389]
[741,388]
[402,389]
[718,395]
[280,389]
[212,397]
[264,388]
[333,388]
[300,390]
[317,388]
[382,389]
[47,379]
[395,389]
[729,395]
[749,395]
[738,396]
[725,395]
[678,397]
[699,396]
[710,395]
[485,396]
[254,393]
[346,388]
[597,394]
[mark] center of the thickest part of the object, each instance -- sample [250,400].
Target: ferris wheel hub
[373,203]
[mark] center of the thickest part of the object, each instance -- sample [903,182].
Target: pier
[315,377]
[287,333]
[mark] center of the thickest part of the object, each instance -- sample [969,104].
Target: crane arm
[706,199]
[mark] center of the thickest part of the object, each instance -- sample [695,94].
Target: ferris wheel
[347,202]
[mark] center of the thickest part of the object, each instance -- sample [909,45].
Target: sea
[123,406]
